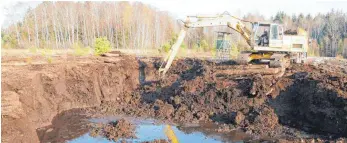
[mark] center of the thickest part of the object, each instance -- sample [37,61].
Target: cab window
[274,31]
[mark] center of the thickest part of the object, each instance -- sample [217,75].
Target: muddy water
[150,130]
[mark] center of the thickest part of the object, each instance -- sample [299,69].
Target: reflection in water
[66,125]
[149,133]
[210,129]
[147,130]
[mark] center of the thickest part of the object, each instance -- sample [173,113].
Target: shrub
[214,51]
[46,52]
[29,60]
[33,50]
[196,47]
[166,47]
[102,45]
[79,50]
[182,51]
[8,42]
[49,60]
[234,51]
[204,45]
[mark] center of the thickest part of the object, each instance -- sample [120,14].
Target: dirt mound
[191,93]
[120,129]
[314,101]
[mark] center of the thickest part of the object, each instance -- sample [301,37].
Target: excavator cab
[268,35]
[276,35]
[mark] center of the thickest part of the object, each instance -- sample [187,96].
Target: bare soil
[114,130]
[47,102]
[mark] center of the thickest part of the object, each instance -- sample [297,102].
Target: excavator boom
[204,21]
[221,20]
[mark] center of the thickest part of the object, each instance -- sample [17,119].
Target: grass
[49,54]
[79,50]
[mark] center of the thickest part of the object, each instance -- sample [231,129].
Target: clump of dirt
[120,129]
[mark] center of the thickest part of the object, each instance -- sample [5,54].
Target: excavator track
[279,61]
[276,64]
[243,58]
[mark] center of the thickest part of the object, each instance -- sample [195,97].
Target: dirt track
[38,100]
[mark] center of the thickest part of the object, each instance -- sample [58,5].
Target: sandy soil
[45,102]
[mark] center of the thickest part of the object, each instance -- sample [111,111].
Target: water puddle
[149,130]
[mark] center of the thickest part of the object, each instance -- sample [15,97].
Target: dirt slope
[35,94]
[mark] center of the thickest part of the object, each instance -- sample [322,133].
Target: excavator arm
[205,21]
[172,54]
[221,20]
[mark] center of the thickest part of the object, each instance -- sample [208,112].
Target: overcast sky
[12,11]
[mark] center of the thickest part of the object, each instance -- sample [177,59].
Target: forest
[134,25]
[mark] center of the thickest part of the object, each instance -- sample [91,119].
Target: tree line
[62,24]
[328,32]
[134,25]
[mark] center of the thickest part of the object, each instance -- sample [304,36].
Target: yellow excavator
[268,41]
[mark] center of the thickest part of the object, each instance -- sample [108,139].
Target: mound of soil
[120,129]
[314,101]
[304,98]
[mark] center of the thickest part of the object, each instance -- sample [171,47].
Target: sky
[241,7]
[13,11]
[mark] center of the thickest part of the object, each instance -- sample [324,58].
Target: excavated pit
[46,103]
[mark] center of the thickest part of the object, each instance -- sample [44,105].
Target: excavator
[267,41]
